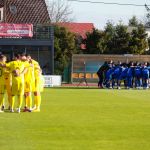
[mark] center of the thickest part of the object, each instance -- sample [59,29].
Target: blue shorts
[116,76]
[146,76]
[109,77]
[138,76]
[122,77]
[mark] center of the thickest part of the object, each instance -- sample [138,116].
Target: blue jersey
[117,72]
[138,71]
[123,74]
[109,73]
[130,72]
[145,72]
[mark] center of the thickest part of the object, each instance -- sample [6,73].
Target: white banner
[52,81]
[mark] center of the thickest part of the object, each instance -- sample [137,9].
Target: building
[130,29]
[25,11]
[148,31]
[80,29]
[41,44]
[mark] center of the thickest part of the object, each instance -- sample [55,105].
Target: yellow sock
[9,99]
[20,99]
[38,101]
[12,102]
[35,101]
[29,101]
[1,100]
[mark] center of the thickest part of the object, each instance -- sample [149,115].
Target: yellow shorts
[7,81]
[8,89]
[18,88]
[39,85]
[2,88]
[29,87]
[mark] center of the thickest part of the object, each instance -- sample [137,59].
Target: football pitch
[81,119]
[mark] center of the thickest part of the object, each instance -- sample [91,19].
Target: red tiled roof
[78,28]
[27,11]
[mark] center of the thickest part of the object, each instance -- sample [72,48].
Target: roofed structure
[25,11]
[78,28]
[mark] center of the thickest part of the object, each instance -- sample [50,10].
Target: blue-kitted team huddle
[127,75]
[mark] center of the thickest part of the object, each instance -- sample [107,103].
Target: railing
[40,32]
[43,32]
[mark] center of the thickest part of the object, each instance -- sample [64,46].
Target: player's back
[37,70]
[137,71]
[130,71]
[145,71]
[124,71]
[29,75]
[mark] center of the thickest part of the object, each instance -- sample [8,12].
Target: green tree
[121,39]
[95,43]
[65,46]
[133,22]
[109,37]
[138,43]
[79,42]
[148,49]
[116,38]
[113,40]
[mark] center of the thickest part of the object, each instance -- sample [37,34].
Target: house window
[1,14]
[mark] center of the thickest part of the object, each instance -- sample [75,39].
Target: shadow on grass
[93,88]
[71,87]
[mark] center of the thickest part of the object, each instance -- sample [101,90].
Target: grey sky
[99,14]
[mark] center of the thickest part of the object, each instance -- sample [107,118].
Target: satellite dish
[13,9]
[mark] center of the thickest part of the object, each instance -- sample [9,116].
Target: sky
[99,14]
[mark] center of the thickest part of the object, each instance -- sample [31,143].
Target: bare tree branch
[59,11]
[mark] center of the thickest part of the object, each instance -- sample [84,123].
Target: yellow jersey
[2,73]
[7,73]
[16,68]
[37,70]
[7,76]
[29,75]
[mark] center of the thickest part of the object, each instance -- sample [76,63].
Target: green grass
[81,119]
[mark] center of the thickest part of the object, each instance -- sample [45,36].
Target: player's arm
[25,68]
[18,73]
[24,71]
[38,69]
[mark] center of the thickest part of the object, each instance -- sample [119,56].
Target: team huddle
[19,79]
[132,75]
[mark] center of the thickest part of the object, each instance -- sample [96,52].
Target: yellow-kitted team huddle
[19,79]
